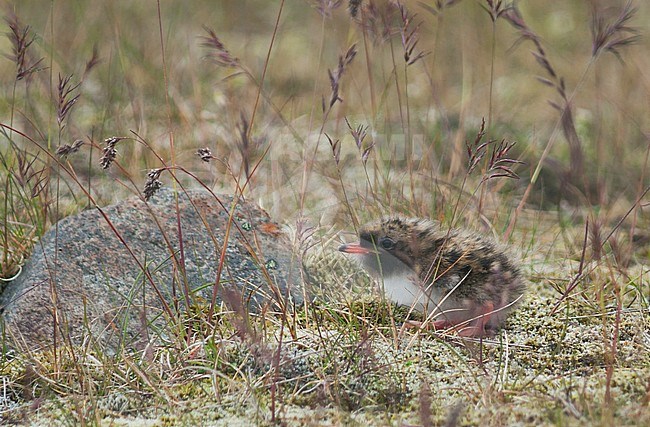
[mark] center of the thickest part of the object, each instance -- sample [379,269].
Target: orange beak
[355,248]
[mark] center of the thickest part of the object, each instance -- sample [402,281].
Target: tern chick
[459,279]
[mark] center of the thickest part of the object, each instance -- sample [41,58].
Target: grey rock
[90,283]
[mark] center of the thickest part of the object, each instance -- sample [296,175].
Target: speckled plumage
[459,278]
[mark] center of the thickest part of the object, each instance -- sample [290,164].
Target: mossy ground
[349,361]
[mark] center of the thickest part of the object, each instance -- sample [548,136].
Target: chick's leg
[472,327]
[476,327]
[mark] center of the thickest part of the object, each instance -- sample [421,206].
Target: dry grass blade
[217,51]
[476,150]
[514,17]
[65,103]
[496,9]
[246,145]
[326,7]
[110,152]
[92,62]
[29,177]
[359,134]
[379,20]
[437,6]
[336,148]
[409,36]
[353,7]
[612,36]
[499,164]
[575,145]
[578,276]
[21,39]
[67,149]
[336,75]
[153,184]
[24,172]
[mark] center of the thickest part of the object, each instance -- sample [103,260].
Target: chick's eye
[387,243]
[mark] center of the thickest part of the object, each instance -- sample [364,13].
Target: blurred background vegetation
[566,80]
[448,91]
